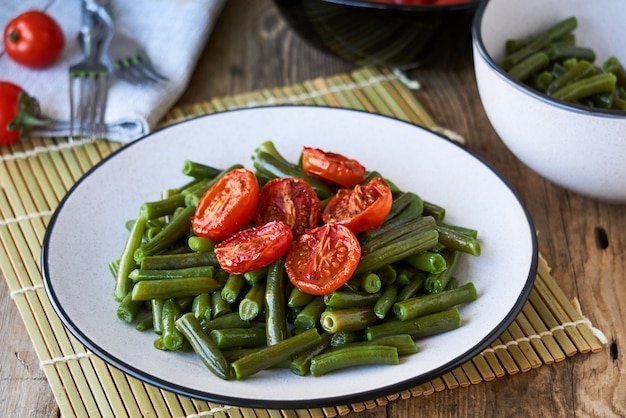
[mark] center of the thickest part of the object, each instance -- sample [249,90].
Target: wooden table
[582,240]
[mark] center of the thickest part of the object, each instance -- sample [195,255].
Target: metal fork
[91,75]
[130,62]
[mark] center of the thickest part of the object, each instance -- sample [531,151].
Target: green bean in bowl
[313,266]
[550,75]
[552,63]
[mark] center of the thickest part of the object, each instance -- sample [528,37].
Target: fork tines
[88,97]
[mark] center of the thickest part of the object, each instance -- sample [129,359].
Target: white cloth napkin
[173,32]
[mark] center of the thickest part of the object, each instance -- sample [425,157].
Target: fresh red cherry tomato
[18,113]
[289,200]
[253,248]
[332,167]
[323,259]
[361,209]
[227,206]
[33,39]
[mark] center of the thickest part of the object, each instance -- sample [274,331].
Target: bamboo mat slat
[35,176]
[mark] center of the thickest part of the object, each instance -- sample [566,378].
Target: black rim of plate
[287,403]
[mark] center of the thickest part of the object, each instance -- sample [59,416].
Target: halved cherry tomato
[361,209]
[253,248]
[332,167]
[289,200]
[33,39]
[323,259]
[227,206]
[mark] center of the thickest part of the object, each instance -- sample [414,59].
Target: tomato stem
[27,117]
[13,36]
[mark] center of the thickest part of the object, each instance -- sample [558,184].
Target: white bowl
[578,148]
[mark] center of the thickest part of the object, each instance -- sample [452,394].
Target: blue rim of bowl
[373,4]
[478,41]
[242,401]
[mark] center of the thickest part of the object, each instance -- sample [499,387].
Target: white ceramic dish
[87,232]
[575,147]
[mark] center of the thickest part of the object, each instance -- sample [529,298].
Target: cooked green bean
[145,323]
[238,337]
[301,364]
[199,170]
[269,356]
[275,313]
[457,241]
[219,305]
[233,287]
[201,307]
[351,356]
[348,299]
[172,261]
[157,315]
[171,336]
[200,244]
[227,320]
[385,301]
[346,337]
[420,327]
[298,298]
[128,308]
[252,304]
[600,83]
[143,274]
[435,302]
[580,70]
[123,284]
[402,342]
[349,319]
[310,315]
[256,276]
[524,69]
[436,282]
[173,288]
[371,283]
[427,261]
[205,348]
[414,285]
[163,207]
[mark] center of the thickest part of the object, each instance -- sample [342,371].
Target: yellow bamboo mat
[35,176]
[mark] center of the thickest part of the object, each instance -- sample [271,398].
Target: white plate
[87,232]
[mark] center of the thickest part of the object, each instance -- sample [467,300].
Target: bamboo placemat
[35,176]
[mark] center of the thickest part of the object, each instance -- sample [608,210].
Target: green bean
[402,342]
[462,229]
[387,274]
[397,251]
[427,261]
[298,298]
[145,323]
[200,244]
[402,201]
[414,285]
[346,337]
[412,212]
[157,315]
[457,241]
[238,337]
[371,283]
[344,357]
[205,348]
[233,287]
[219,306]
[436,282]
[173,231]
[173,261]
[578,71]
[227,320]
[310,315]
[434,210]
[559,51]
[349,319]
[386,301]
[171,336]
[346,299]
[196,191]
[552,34]
[269,356]
[614,66]
[201,307]
[123,284]
[435,302]
[420,327]
[173,288]
[252,304]
[163,207]
[524,69]
[541,81]
[143,274]
[198,170]
[275,315]
[600,83]
[255,276]
[300,364]
[128,308]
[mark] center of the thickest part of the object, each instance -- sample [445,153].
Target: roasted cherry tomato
[291,201]
[361,209]
[33,39]
[253,248]
[227,206]
[18,113]
[323,259]
[332,167]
